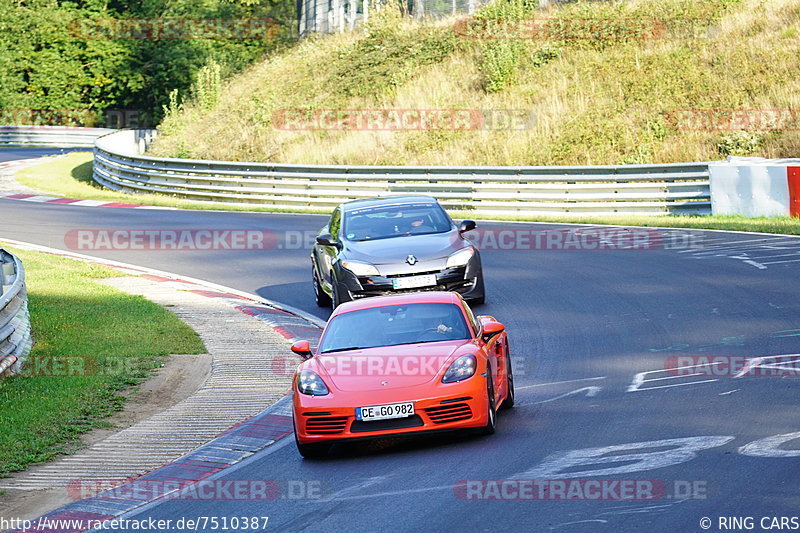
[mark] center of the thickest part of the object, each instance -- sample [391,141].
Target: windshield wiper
[345,349]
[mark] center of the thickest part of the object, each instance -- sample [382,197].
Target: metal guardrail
[15,323]
[678,188]
[50,136]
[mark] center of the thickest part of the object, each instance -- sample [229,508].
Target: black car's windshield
[394,324]
[382,222]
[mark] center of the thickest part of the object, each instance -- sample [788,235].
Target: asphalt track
[582,325]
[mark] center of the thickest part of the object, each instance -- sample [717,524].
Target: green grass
[123,336]
[71,176]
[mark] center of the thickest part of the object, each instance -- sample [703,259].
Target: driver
[419,225]
[436,325]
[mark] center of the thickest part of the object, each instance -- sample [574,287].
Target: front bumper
[465,280]
[325,419]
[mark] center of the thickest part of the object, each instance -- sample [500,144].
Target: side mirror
[490,329]
[326,239]
[302,348]
[467,225]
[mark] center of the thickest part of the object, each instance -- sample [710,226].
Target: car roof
[386,200]
[400,299]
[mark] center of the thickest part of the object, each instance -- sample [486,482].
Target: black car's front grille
[360,426]
[327,425]
[449,413]
[451,279]
[408,275]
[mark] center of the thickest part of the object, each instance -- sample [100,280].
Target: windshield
[382,222]
[394,324]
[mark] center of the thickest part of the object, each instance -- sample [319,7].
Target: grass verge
[71,176]
[119,338]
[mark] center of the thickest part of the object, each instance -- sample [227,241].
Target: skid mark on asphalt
[576,522]
[350,491]
[639,510]
[590,392]
[553,383]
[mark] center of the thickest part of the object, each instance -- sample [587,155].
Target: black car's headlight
[308,382]
[462,368]
[460,258]
[360,269]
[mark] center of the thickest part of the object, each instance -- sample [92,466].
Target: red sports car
[400,364]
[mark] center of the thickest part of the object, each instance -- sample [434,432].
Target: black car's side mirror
[326,239]
[467,225]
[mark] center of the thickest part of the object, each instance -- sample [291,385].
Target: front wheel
[491,424]
[313,451]
[480,300]
[322,298]
[508,403]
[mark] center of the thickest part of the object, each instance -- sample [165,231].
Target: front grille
[360,426]
[451,279]
[409,274]
[327,425]
[449,413]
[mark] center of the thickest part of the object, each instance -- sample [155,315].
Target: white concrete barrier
[755,187]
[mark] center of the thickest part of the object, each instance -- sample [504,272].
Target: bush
[740,143]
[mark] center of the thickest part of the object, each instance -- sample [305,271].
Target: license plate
[413,282]
[383,412]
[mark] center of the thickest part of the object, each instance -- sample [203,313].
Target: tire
[508,403]
[491,425]
[480,300]
[316,450]
[335,298]
[321,297]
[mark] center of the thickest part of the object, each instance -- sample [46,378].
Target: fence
[50,136]
[678,188]
[15,324]
[329,16]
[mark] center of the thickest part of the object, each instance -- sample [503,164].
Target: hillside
[620,93]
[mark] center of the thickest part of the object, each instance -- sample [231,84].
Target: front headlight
[460,258]
[360,269]
[308,382]
[462,368]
